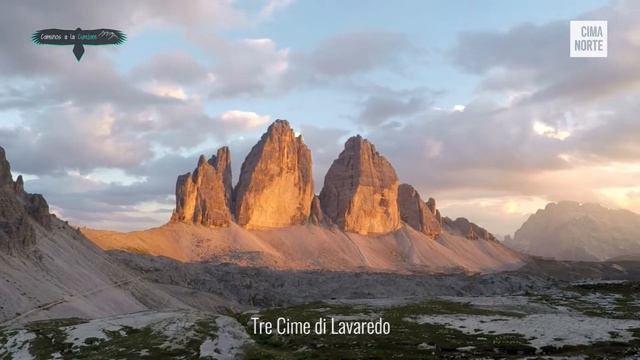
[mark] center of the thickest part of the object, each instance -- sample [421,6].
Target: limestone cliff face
[416,213]
[18,211]
[205,196]
[275,188]
[361,189]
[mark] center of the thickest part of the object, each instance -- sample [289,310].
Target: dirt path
[69,298]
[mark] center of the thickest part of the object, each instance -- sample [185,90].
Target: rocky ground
[577,321]
[583,320]
[255,286]
[538,312]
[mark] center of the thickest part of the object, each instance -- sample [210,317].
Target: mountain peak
[417,213]
[5,170]
[280,123]
[361,189]
[275,188]
[205,196]
[569,230]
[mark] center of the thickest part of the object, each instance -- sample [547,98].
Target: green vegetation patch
[626,305]
[599,350]
[50,338]
[125,343]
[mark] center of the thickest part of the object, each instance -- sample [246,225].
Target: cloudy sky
[476,103]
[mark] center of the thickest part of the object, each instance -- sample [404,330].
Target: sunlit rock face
[416,213]
[19,212]
[205,196]
[275,188]
[361,189]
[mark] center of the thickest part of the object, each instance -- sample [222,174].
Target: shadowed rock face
[416,213]
[17,211]
[464,227]
[5,171]
[205,196]
[36,207]
[275,188]
[317,216]
[431,204]
[361,189]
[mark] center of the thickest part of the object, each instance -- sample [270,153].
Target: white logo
[588,39]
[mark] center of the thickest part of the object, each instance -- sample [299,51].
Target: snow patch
[17,346]
[232,337]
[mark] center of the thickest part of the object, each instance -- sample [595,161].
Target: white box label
[588,39]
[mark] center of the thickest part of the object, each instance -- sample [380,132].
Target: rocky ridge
[418,214]
[463,227]
[19,211]
[48,269]
[361,193]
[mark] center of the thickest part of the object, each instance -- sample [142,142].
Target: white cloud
[432,148]
[624,196]
[246,67]
[166,90]
[243,119]
[272,6]
[549,131]
[461,152]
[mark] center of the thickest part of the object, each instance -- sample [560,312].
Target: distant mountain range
[573,231]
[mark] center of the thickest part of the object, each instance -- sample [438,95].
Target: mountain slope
[574,231]
[48,269]
[309,246]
